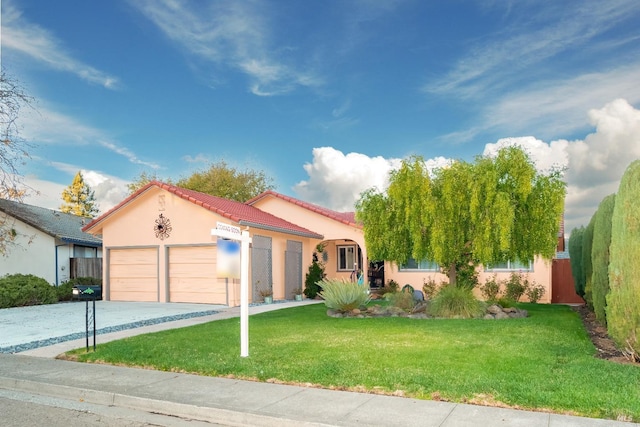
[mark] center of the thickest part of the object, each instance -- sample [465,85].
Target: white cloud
[557,107]
[545,156]
[21,36]
[234,34]
[337,179]
[593,166]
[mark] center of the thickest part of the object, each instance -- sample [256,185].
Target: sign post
[230,232]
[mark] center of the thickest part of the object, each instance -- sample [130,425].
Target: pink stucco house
[157,246]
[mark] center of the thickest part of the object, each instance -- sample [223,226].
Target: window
[424,265]
[346,258]
[510,266]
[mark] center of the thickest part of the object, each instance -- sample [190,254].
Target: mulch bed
[606,347]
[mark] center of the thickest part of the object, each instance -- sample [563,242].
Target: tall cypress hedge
[623,301]
[587,245]
[600,256]
[575,258]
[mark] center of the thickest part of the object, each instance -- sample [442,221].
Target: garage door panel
[193,270]
[133,274]
[193,276]
[148,296]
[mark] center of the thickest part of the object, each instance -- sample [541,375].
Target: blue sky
[324,96]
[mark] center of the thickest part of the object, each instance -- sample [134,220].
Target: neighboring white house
[45,242]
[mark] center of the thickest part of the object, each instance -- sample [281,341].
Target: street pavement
[234,402]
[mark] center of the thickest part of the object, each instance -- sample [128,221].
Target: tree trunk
[452,274]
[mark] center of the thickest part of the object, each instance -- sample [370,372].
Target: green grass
[543,362]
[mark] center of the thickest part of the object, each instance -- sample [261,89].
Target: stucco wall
[133,226]
[33,253]
[541,274]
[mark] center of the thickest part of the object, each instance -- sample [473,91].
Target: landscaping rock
[494,309]
[421,310]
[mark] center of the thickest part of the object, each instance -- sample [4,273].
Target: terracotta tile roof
[63,226]
[348,218]
[238,212]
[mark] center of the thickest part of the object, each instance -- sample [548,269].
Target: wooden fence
[86,267]
[563,289]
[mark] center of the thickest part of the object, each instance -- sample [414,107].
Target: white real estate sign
[227,231]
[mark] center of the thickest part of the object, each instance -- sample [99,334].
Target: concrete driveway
[26,328]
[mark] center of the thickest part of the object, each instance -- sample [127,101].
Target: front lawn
[543,362]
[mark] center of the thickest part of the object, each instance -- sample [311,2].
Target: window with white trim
[346,258]
[510,266]
[424,265]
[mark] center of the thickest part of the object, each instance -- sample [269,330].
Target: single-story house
[47,243]
[345,250]
[158,246]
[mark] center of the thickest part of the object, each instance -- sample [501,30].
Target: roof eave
[309,234]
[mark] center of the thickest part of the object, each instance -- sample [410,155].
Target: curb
[154,406]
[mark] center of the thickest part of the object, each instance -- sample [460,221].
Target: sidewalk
[245,403]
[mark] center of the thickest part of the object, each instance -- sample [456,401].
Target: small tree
[314,275]
[224,181]
[600,256]
[143,179]
[79,199]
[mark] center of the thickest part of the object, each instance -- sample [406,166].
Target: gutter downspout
[57,279]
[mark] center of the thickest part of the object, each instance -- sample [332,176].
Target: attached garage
[193,275]
[159,247]
[132,274]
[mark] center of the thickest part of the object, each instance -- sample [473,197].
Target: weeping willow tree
[492,210]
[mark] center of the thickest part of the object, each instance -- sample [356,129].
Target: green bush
[65,291]
[20,290]
[575,258]
[515,287]
[587,245]
[456,302]
[313,277]
[623,301]
[600,256]
[505,302]
[403,300]
[343,295]
[534,292]
[491,289]
[429,288]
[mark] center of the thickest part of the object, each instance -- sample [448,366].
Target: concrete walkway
[244,403]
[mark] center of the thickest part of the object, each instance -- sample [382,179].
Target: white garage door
[193,275]
[133,274]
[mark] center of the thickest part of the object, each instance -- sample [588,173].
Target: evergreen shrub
[623,300]
[600,256]
[18,290]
